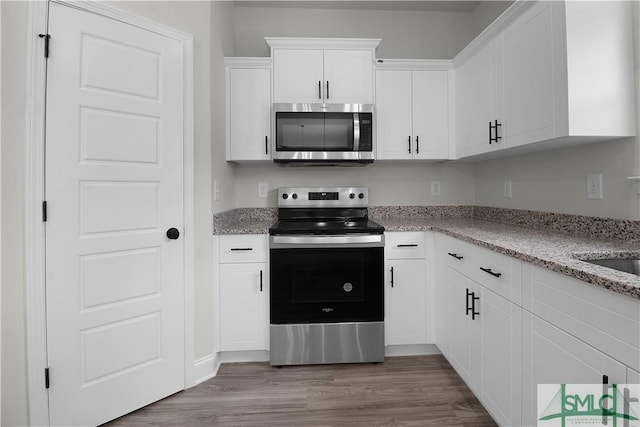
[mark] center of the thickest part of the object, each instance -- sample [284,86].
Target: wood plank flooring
[402,391]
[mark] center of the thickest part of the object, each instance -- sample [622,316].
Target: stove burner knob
[352,196]
[294,195]
[285,196]
[361,196]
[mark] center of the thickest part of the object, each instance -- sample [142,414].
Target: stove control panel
[339,197]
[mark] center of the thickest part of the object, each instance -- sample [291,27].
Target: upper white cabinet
[560,73]
[248,106]
[332,71]
[477,103]
[412,110]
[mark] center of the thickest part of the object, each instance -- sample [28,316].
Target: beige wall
[405,34]
[556,180]
[14,385]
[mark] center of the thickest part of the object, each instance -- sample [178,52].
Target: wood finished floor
[402,391]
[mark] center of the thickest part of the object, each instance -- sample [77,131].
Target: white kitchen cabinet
[561,73]
[478,103]
[412,112]
[332,71]
[244,305]
[405,288]
[552,356]
[633,377]
[243,292]
[478,330]
[248,107]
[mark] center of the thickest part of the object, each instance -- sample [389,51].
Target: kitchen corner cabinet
[412,112]
[478,325]
[560,73]
[248,107]
[405,288]
[331,71]
[244,292]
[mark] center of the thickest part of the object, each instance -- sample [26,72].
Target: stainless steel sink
[627,265]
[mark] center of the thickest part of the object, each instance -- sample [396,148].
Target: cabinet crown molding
[413,64]
[321,43]
[247,62]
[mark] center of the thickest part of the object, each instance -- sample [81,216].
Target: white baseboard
[244,356]
[206,368]
[411,350]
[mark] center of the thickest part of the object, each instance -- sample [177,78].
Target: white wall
[389,184]
[556,180]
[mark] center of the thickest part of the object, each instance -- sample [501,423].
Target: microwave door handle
[356,132]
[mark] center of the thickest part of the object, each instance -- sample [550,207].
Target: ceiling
[432,6]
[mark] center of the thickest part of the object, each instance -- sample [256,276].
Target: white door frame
[35,231]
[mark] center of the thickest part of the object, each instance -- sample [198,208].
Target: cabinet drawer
[603,319]
[243,248]
[455,253]
[405,245]
[498,272]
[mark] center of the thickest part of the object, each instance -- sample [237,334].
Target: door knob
[173,233]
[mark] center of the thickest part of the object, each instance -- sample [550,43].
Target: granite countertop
[557,247]
[554,250]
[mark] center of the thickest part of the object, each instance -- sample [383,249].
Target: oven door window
[326,285]
[314,131]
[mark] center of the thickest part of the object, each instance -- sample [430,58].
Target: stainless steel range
[327,273]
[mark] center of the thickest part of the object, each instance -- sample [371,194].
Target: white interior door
[114,185]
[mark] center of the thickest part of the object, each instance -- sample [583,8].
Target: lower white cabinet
[482,333]
[244,293]
[552,356]
[405,288]
[244,304]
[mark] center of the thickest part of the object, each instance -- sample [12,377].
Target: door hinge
[46,38]
[46,377]
[44,211]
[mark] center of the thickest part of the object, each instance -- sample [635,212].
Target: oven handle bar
[369,240]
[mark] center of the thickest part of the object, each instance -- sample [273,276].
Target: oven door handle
[373,240]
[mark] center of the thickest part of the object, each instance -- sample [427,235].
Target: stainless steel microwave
[323,134]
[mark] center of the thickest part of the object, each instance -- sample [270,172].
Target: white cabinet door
[244,303]
[551,356]
[249,113]
[393,114]
[462,327]
[348,76]
[474,94]
[430,114]
[405,300]
[298,75]
[531,77]
[500,381]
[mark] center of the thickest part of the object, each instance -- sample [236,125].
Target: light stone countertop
[554,250]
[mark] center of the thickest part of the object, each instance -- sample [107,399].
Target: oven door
[327,282]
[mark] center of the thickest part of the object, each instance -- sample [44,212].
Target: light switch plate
[435,188]
[507,189]
[263,190]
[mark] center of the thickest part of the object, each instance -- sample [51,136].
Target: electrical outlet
[263,190]
[435,188]
[594,186]
[507,189]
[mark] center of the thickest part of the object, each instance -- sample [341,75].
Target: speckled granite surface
[555,241]
[245,221]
